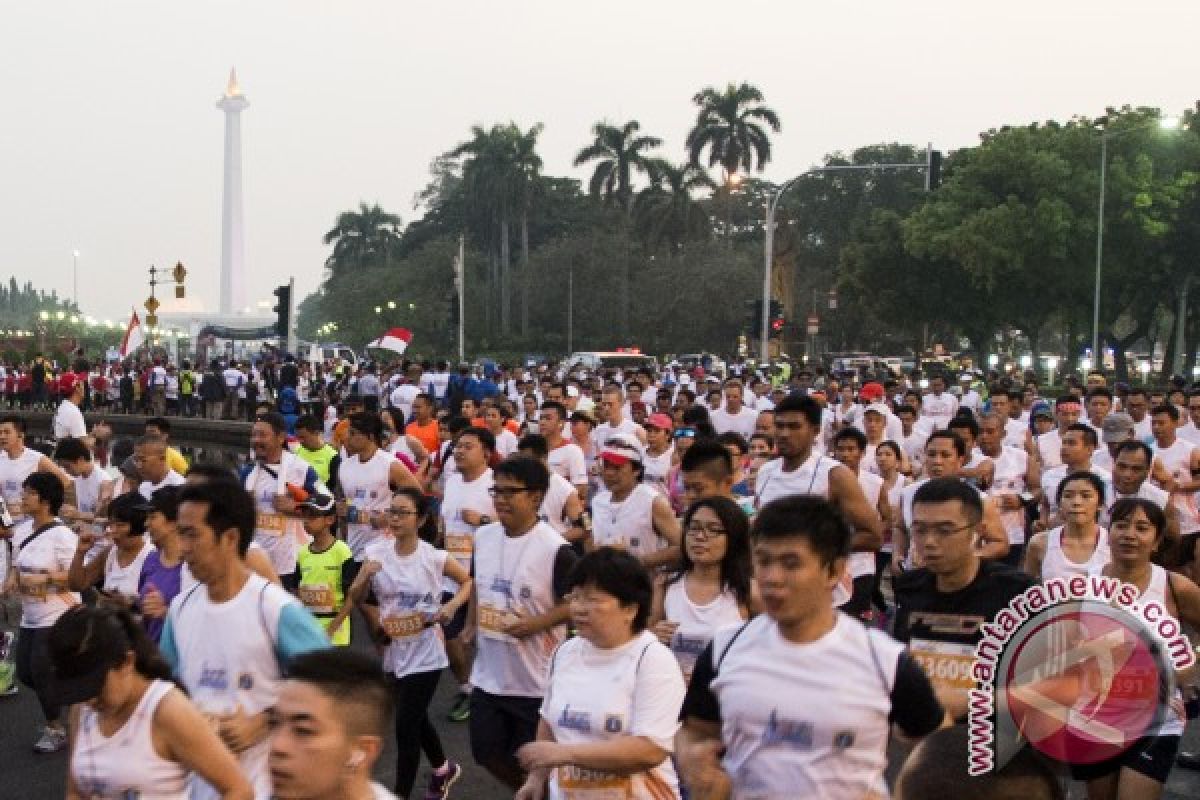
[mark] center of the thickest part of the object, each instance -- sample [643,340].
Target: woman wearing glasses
[404,574]
[611,708]
[118,557]
[713,587]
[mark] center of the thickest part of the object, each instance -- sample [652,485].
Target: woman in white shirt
[713,587]
[135,734]
[612,704]
[116,559]
[1078,547]
[404,574]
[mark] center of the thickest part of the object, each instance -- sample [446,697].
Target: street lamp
[392,305]
[1165,123]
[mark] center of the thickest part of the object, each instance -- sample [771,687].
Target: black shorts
[860,598]
[291,581]
[1152,756]
[500,724]
[1187,547]
[455,626]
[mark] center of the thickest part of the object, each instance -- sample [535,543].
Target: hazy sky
[110,142]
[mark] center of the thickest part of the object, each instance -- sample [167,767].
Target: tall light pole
[1165,123]
[769,244]
[75,277]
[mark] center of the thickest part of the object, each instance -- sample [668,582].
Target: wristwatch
[484,519]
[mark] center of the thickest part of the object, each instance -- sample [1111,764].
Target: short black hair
[1089,433]
[71,449]
[275,420]
[17,422]
[309,423]
[803,404]
[1091,478]
[208,472]
[1125,508]
[166,501]
[1100,391]
[944,490]
[48,487]
[556,407]
[1135,446]
[620,574]
[853,434]
[808,517]
[530,472]
[483,435]
[368,423]
[937,768]
[229,507]
[1168,409]
[129,507]
[960,446]
[734,438]
[964,421]
[709,456]
[164,427]
[355,681]
[534,443]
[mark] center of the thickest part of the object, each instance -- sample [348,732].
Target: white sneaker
[53,740]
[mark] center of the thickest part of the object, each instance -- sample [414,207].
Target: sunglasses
[685,433]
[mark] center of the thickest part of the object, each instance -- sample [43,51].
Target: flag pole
[460,279]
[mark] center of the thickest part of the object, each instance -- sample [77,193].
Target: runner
[93,487]
[610,714]
[1131,474]
[113,556]
[135,734]
[565,456]
[938,406]
[941,606]
[1138,533]
[68,419]
[311,447]
[712,587]
[734,415]
[1176,468]
[328,728]
[324,566]
[562,508]
[1014,476]
[234,677]
[521,572]
[1080,545]
[849,447]
[1117,429]
[629,514]
[150,459]
[1078,444]
[760,717]
[42,552]
[660,453]
[161,426]
[466,507]
[404,576]
[164,574]
[611,410]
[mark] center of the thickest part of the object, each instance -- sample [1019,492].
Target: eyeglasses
[591,599]
[708,531]
[939,531]
[401,512]
[685,433]
[500,491]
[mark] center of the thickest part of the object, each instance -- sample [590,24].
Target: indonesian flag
[134,336]
[394,339]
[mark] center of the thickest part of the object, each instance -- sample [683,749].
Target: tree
[666,212]
[361,238]
[527,169]
[730,127]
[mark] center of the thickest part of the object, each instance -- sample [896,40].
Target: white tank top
[87,490]
[13,472]
[1055,564]
[629,523]
[697,623]
[861,564]
[409,590]
[399,446]
[657,469]
[811,477]
[126,763]
[1177,459]
[124,580]
[367,488]
[1157,591]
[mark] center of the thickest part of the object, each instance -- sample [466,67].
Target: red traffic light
[776,325]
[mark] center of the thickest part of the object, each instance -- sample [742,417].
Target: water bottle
[6,519]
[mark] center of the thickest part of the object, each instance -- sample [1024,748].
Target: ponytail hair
[428,528]
[86,640]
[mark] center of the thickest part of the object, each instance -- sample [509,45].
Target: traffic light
[283,310]
[754,315]
[777,320]
[933,169]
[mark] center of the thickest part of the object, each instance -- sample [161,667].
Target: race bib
[317,597]
[401,626]
[577,783]
[948,664]
[270,524]
[460,545]
[493,621]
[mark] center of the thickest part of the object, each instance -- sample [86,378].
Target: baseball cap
[572,391]
[320,503]
[878,408]
[1041,409]
[85,644]
[871,391]
[1117,427]
[660,421]
[67,383]
[621,448]
[583,415]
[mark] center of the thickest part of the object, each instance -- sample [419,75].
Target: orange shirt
[426,434]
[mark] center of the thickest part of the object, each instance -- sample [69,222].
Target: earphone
[356,759]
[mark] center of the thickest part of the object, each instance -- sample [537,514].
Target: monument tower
[233,289]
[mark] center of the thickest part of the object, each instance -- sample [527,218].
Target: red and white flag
[394,339]
[134,336]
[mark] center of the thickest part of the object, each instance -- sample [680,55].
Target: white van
[321,353]
[596,360]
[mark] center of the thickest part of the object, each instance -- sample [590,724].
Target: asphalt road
[25,775]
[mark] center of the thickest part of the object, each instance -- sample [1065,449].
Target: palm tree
[730,126]
[361,238]
[618,153]
[666,211]
[527,168]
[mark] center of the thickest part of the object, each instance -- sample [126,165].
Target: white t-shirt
[88,487]
[557,495]
[506,443]
[402,398]
[367,488]
[462,495]
[742,422]
[42,567]
[409,591]
[68,421]
[147,489]
[939,408]
[568,461]
[600,694]
[1052,478]
[605,431]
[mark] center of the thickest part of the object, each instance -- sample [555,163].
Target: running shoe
[53,740]
[439,785]
[461,710]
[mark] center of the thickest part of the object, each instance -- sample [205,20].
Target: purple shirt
[167,580]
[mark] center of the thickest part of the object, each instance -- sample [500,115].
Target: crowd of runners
[652,584]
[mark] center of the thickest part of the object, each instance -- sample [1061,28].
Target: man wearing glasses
[521,573]
[940,607]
